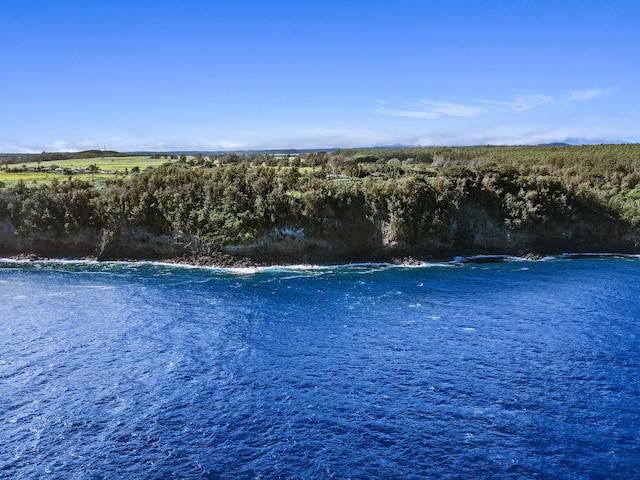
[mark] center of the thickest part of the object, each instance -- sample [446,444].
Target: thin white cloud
[330,137]
[534,134]
[451,109]
[58,146]
[497,121]
[588,94]
[408,113]
[434,109]
[431,109]
[521,103]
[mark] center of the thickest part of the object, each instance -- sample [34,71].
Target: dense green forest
[355,203]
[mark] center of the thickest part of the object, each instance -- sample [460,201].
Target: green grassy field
[118,165]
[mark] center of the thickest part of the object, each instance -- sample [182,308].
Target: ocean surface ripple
[509,369]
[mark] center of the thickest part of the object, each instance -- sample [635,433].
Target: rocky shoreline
[224,260]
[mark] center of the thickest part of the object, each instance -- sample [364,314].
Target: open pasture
[44,172]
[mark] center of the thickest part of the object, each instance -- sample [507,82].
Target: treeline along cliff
[349,205]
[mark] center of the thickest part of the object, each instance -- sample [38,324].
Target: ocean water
[512,369]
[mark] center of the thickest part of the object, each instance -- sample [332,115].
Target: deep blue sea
[513,369]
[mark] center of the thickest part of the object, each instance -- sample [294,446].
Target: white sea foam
[93,287]
[599,255]
[371,266]
[50,260]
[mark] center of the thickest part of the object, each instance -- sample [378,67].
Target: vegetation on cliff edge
[420,199]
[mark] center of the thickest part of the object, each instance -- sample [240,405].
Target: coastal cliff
[471,232]
[340,211]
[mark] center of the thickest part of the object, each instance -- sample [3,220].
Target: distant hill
[13,158]
[98,153]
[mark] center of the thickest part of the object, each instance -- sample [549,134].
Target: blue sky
[209,75]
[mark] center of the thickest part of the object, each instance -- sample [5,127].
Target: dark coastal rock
[473,236]
[27,257]
[533,256]
[213,259]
